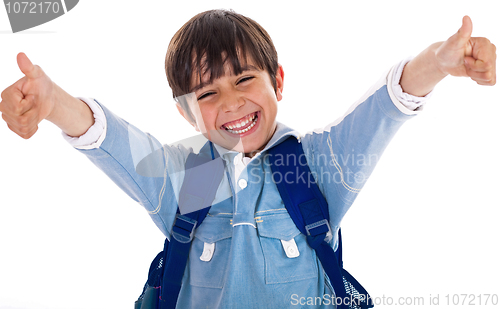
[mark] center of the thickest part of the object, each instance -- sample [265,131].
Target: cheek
[209,116]
[264,96]
[269,103]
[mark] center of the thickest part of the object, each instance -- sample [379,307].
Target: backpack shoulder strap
[308,209]
[201,180]
[302,198]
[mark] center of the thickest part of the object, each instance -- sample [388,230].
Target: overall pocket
[208,257]
[280,239]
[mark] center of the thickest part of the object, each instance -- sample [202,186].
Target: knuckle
[17,109]
[6,93]
[484,41]
[487,65]
[20,107]
[38,68]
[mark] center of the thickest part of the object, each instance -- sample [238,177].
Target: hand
[463,55]
[30,100]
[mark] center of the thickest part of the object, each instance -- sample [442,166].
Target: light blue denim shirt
[248,252]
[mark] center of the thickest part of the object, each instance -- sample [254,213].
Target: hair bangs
[211,61]
[213,40]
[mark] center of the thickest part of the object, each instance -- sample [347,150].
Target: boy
[247,253]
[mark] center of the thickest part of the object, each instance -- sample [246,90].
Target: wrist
[54,103]
[423,72]
[438,64]
[73,116]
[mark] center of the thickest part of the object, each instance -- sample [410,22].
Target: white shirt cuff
[95,135]
[411,102]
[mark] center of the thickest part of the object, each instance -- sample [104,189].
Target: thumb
[464,33]
[25,65]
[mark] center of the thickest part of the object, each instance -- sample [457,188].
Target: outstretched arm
[460,55]
[35,97]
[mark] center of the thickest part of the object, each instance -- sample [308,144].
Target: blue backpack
[306,206]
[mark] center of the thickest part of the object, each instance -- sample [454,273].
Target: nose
[232,101]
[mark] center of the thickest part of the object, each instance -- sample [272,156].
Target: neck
[252,154]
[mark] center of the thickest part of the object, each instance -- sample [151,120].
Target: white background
[425,224]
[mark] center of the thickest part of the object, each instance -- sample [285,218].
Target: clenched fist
[464,55]
[29,100]
[35,97]
[460,55]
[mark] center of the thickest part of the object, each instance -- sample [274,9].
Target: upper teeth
[242,123]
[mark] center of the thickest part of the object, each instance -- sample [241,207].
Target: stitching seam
[339,168]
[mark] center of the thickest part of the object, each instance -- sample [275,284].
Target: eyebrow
[204,84]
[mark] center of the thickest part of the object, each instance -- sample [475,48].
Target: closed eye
[244,79]
[206,94]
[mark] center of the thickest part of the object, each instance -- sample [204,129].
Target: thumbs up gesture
[29,100]
[460,55]
[35,97]
[463,55]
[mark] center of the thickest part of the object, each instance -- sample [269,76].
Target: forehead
[205,70]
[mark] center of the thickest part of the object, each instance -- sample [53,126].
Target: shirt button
[242,183]
[291,251]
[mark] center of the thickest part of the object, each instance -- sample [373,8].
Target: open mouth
[241,125]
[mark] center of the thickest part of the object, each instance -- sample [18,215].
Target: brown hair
[209,40]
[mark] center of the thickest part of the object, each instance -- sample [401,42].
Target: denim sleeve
[343,154]
[150,173]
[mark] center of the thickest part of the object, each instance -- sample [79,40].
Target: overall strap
[201,180]
[307,207]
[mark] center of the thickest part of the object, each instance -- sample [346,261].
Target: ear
[183,114]
[280,77]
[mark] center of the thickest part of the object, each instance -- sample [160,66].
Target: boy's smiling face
[237,112]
